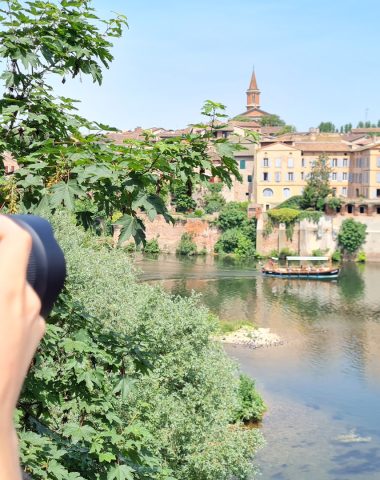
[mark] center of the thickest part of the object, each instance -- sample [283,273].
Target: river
[322,386]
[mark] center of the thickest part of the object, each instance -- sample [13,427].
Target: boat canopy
[309,259]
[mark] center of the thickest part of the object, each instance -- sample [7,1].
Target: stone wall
[308,236]
[168,236]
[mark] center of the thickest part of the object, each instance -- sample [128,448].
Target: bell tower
[253,93]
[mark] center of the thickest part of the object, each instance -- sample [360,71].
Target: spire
[253,93]
[253,84]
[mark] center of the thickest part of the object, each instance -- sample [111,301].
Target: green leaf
[64,193]
[121,472]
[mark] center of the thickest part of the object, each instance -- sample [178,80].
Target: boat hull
[330,275]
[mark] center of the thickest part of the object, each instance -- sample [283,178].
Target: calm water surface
[323,383]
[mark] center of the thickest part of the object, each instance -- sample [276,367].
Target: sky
[314,61]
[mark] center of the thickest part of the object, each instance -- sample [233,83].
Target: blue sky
[315,61]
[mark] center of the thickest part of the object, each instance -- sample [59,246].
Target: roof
[268,130]
[366,130]
[253,83]
[323,146]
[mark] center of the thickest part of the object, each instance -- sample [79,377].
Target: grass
[230,326]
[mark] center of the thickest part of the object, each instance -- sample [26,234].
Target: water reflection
[325,380]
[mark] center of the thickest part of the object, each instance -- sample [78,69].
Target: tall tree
[60,163]
[272,121]
[326,127]
[317,186]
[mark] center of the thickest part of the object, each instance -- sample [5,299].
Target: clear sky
[314,60]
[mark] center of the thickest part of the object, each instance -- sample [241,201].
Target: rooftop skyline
[313,61]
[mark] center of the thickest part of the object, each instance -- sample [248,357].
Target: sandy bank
[252,338]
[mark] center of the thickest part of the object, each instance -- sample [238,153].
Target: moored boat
[305,268]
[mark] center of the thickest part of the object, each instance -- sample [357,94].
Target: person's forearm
[9,455]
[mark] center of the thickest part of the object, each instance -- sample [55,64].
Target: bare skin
[21,329]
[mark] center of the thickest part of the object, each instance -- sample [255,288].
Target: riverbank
[252,338]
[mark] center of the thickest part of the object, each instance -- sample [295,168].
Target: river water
[322,387]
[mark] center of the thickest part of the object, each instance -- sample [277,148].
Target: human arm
[21,329]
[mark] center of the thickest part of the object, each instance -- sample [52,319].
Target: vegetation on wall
[187,246]
[351,235]
[214,200]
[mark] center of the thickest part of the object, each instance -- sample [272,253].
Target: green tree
[232,215]
[272,121]
[327,127]
[317,185]
[60,163]
[351,235]
[360,125]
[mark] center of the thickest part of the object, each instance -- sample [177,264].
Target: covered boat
[305,267]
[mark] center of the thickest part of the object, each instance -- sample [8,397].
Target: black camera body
[47,267]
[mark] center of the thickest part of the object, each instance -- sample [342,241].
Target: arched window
[268,192]
[286,192]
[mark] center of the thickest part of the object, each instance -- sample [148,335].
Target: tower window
[242,164]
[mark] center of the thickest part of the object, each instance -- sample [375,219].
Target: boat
[305,268]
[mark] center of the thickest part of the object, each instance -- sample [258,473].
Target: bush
[318,253]
[286,252]
[283,215]
[361,257]
[336,256]
[199,213]
[186,245]
[127,382]
[251,406]
[236,241]
[232,215]
[213,202]
[334,203]
[292,202]
[152,247]
[351,235]
[182,200]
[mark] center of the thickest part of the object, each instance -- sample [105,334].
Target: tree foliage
[317,186]
[65,157]
[272,121]
[127,382]
[327,127]
[351,235]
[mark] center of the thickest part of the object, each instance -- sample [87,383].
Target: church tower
[253,93]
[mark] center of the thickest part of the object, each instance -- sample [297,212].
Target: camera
[46,271]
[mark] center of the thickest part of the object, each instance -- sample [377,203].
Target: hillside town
[277,166]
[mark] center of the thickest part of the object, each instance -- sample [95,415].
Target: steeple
[253,93]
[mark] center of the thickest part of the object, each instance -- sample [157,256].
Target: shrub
[127,382]
[213,202]
[318,253]
[199,213]
[361,257]
[228,241]
[333,203]
[152,247]
[286,252]
[251,406]
[292,202]
[311,215]
[351,235]
[182,200]
[232,215]
[186,245]
[336,256]
[283,215]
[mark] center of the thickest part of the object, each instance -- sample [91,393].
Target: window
[378,177]
[303,162]
[249,178]
[286,192]
[334,162]
[290,162]
[344,191]
[277,177]
[378,162]
[302,176]
[334,192]
[362,209]
[290,176]
[345,162]
[278,162]
[268,192]
[378,210]
[344,175]
[333,177]
[242,164]
[266,162]
[378,192]
[265,176]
